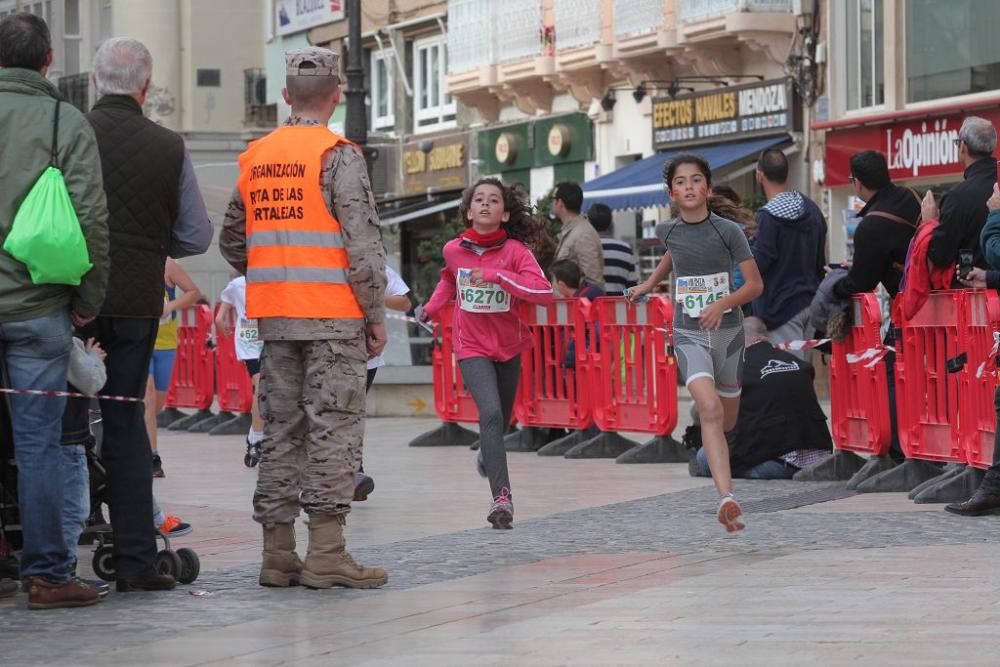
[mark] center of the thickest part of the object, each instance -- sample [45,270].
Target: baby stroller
[10,519]
[182,564]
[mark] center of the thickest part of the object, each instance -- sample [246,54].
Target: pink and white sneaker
[731,514]
[502,511]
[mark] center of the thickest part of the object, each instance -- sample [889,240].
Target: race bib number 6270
[480,297]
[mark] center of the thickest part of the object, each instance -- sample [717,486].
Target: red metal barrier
[927,395]
[552,393]
[192,382]
[976,413]
[452,401]
[235,388]
[859,395]
[633,375]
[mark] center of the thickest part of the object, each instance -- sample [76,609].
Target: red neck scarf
[484,240]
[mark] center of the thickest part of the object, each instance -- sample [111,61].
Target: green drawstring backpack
[45,235]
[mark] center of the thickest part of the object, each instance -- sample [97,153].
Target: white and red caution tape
[872,356]
[411,320]
[990,363]
[68,394]
[798,345]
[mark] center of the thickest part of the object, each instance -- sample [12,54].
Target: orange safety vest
[296,261]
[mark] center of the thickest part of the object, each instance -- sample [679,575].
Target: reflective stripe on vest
[297,265]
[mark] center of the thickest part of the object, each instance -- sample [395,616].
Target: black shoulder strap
[54,160]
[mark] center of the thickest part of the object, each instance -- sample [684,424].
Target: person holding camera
[962,214]
[986,499]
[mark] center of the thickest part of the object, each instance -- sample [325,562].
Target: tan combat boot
[281,566]
[328,563]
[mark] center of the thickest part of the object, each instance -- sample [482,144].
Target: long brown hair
[522,225]
[726,208]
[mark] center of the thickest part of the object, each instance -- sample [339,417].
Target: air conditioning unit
[255,87]
[386,178]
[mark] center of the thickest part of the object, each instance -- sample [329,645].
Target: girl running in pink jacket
[489,271]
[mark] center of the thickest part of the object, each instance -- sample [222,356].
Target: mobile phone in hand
[965,259]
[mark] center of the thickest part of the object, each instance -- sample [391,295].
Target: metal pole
[355,125]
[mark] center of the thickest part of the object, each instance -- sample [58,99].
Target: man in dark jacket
[36,321]
[889,220]
[790,250]
[781,427]
[963,209]
[156,210]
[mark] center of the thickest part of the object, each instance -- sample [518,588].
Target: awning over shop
[640,184]
[420,212]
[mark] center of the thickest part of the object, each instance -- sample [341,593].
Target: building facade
[213,96]
[902,75]
[652,77]
[197,87]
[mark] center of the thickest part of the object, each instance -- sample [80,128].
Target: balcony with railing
[525,51]
[583,40]
[692,11]
[643,26]
[495,45]
[470,35]
[579,22]
[471,54]
[762,24]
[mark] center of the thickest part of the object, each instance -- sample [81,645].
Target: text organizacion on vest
[275,196]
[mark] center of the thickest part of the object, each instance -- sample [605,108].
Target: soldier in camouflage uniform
[312,385]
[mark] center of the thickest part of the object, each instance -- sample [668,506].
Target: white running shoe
[731,514]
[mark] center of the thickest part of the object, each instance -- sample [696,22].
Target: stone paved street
[608,564]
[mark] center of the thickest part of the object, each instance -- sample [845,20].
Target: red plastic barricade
[192,382]
[633,376]
[976,412]
[927,395]
[452,401]
[235,388]
[553,388]
[859,394]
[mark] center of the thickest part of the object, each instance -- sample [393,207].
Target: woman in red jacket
[490,269]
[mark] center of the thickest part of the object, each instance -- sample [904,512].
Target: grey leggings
[493,386]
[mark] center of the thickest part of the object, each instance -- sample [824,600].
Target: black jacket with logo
[779,411]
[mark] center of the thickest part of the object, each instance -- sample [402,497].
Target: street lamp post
[355,127]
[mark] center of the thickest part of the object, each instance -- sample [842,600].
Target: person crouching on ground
[781,427]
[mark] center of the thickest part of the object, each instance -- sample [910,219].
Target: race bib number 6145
[695,293]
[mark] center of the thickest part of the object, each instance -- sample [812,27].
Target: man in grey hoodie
[790,250]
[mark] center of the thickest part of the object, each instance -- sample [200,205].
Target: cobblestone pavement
[678,526]
[676,523]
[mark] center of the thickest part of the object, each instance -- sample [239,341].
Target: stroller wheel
[190,565]
[167,562]
[103,563]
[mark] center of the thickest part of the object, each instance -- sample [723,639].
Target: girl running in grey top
[701,249]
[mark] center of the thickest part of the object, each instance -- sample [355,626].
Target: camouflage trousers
[312,399]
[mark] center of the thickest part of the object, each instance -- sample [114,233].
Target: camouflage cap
[312,61]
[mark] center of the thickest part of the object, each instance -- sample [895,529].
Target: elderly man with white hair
[155,210]
[963,209]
